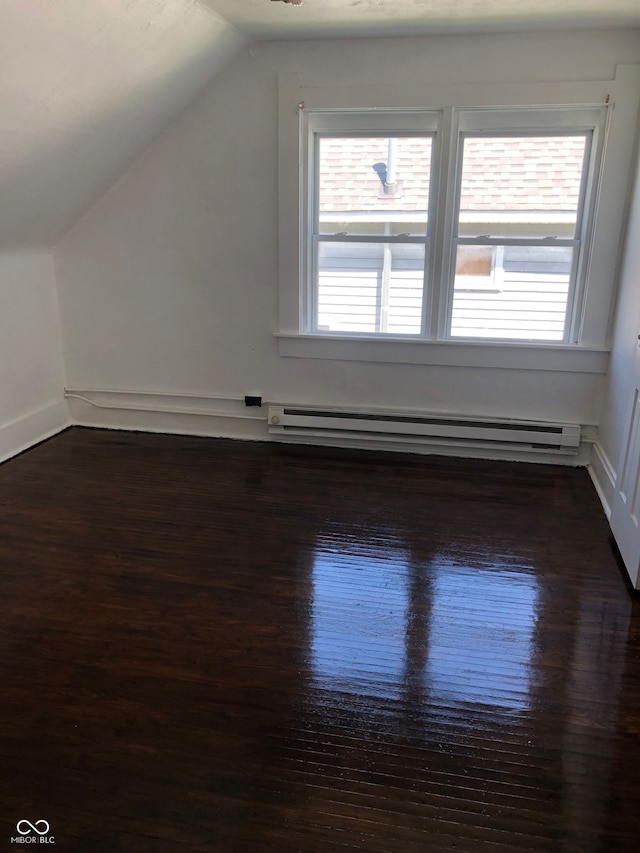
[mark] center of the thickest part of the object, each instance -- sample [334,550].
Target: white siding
[525,299]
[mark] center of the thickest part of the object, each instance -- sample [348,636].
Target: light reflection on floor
[358,619]
[481,635]
[461,634]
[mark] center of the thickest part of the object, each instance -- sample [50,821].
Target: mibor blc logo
[33,833]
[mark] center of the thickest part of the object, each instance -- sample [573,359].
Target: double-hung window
[449,225]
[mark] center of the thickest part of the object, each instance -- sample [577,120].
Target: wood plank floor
[218,646]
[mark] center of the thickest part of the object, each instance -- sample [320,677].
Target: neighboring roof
[522,174]
[500,173]
[348,180]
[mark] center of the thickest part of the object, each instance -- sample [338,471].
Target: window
[468,225]
[486,258]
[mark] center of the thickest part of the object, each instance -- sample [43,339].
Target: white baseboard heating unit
[424,428]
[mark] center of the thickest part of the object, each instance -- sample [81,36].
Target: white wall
[31,367]
[169,284]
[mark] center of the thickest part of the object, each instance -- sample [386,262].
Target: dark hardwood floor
[218,646]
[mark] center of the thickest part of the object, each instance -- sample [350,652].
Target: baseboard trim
[181,414]
[22,433]
[603,476]
[444,448]
[228,417]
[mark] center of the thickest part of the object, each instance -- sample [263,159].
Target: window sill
[505,356]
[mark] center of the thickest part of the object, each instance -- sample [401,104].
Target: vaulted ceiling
[85,86]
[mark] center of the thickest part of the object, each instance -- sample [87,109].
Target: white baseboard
[22,433]
[227,417]
[180,414]
[604,477]
[446,448]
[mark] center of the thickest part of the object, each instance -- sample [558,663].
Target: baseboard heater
[424,428]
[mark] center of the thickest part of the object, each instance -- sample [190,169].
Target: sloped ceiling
[263,19]
[85,85]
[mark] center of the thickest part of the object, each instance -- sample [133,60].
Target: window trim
[455,353]
[609,209]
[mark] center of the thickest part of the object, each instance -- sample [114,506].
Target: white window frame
[586,347]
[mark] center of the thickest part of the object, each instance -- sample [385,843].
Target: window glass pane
[370,287]
[373,185]
[521,186]
[521,295]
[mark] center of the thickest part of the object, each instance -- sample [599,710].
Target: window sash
[385,125]
[502,127]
